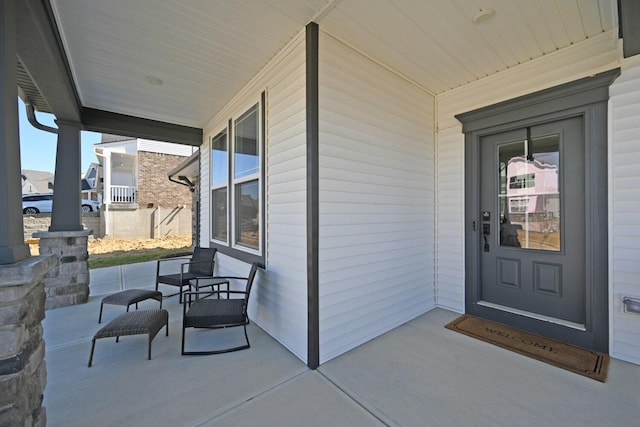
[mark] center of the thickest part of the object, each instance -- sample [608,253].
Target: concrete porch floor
[419,374]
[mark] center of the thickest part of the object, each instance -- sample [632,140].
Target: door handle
[486,231]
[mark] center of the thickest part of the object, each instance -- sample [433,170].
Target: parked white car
[42,203]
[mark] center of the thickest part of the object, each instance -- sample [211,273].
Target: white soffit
[173,61]
[182,61]
[437,45]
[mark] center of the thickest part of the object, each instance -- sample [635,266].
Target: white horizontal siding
[279,302]
[376,199]
[597,54]
[624,237]
[450,218]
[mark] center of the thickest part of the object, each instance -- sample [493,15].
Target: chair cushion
[131,296]
[212,313]
[174,279]
[135,322]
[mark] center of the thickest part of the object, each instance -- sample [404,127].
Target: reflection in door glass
[529,193]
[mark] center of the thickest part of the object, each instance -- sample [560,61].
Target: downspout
[187,182]
[31,116]
[183,180]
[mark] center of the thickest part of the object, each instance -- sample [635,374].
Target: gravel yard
[102,248]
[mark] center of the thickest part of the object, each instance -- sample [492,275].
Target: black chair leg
[226,350]
[93,346]
[246,337]
[100,316]
[183,330]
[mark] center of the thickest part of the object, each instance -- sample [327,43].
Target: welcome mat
[591,364]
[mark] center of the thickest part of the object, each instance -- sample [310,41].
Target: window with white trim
[219,186]
[237,180]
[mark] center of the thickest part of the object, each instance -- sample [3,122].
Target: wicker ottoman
[133,323]
[128,297]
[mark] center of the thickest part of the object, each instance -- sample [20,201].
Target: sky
[38,148]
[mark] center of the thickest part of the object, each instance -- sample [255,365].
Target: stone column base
[23,373]
[68,282]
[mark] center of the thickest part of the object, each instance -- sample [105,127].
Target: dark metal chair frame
[148,322]
[208,311]
[200,266]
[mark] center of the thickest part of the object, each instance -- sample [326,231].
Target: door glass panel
[529,193]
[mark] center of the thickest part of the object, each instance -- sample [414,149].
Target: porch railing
[122,194]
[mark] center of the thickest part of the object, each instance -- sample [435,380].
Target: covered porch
[341,81]
[418,374]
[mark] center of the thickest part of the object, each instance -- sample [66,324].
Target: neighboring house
[531,194]
[133,188]
[42,182]
[351,147]
[36,182]
[90,182]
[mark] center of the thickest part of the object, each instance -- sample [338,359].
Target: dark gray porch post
[22,366]
[67,214]
[313,203]
[12,246]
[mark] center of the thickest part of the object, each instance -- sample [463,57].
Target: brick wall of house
[154,185]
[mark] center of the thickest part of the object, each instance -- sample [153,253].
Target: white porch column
[106,184]
[106,194]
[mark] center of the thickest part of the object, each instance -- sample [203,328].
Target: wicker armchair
[208,310]
[199,265]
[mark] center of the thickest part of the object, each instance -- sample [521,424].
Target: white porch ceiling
[205,51]
[437,45]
